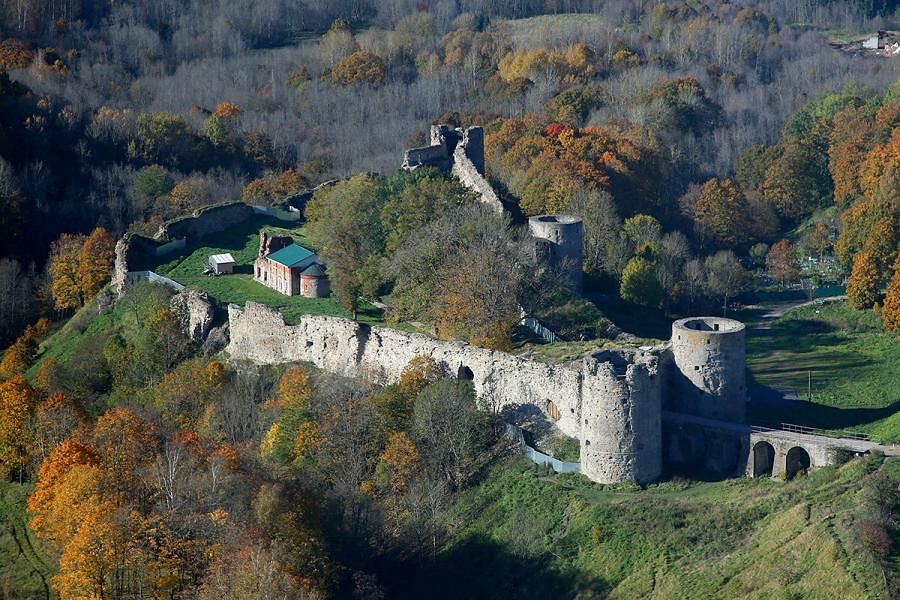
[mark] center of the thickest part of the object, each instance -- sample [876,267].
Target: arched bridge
[779,453]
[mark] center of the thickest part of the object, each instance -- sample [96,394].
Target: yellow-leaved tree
[94,558]
[42,503]
[65,254]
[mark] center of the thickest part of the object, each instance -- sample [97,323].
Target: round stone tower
[621,412]
[711,375]
[561,241]
[314,282]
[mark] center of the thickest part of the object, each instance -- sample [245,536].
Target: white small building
[220,264]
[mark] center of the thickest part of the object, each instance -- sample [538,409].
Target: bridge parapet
[779,453]
[782,454]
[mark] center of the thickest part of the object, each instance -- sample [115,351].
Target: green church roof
[291,255]
[315,270]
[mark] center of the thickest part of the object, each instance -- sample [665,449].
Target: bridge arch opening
[465,374]
[797,462]
[763,459]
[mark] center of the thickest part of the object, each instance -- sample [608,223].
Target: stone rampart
[460,151]
[348,348]
[133,249]
[467,174]
[586,397]
[205,221]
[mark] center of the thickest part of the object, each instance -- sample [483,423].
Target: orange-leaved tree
[862,286]
[79,266]
[93,561]
[288,183]
[95,261]
[361,66]
[59,462]
[17,402]
[781,262]
[294,389]
[399,460]
[722,212]
[890,314]
[418,373]
[19,356]
[124,442]
[74,492]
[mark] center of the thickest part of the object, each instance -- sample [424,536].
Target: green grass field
[242,241]
[25,570]
[526,534]
[853,366]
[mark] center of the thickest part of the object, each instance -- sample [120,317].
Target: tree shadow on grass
[637,320]
[771,406]
[483,568]
[796,335]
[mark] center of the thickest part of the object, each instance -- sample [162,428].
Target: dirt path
[775,311]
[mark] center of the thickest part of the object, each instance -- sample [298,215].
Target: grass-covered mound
[851,362]
[527,534]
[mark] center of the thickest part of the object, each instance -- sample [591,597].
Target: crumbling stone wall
[133,250]
[623,418]
[468,175]
[460,152]
[270,242]
[195,311]
[205,221]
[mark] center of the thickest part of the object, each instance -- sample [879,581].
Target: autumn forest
[720,154]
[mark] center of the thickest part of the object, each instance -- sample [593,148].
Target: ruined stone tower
[560,241]
[621,413]
[459,152]
[710,376]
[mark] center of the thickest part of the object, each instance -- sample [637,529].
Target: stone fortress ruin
[622,405]
[636,412]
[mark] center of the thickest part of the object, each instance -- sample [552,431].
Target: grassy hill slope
[529,535]
[25,570]
[848,358]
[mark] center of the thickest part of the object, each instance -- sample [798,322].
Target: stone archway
[763,459]
[797,461]
[465,374]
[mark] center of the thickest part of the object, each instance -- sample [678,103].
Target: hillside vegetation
[844,356]
[711,148]
[527,534]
